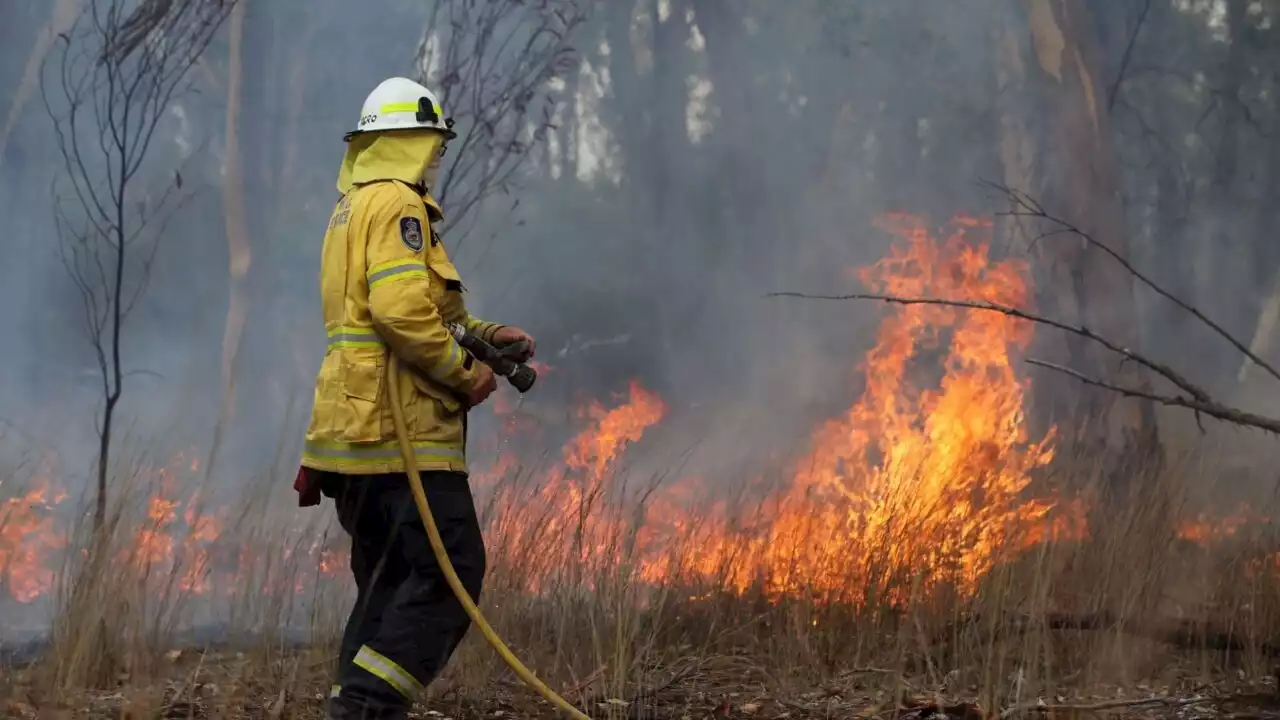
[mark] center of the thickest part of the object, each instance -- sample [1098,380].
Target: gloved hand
[484,384]
[510,335]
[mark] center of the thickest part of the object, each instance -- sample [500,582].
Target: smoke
[704,154]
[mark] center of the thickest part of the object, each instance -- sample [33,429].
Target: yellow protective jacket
[387,284]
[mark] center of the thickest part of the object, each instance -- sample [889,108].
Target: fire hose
[521,377]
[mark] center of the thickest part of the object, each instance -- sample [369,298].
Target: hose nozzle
[501,361]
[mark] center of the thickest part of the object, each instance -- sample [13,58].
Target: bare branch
[1027,207]
[144,372]
[1208,407]
[1199,400]
[1154,702]
[149,259]
[492,65]
[1164,370]
[116,77]
[1114,92]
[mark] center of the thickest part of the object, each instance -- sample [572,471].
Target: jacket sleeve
[482,329]
[402,310]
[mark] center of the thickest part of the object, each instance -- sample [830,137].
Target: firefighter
[387,285]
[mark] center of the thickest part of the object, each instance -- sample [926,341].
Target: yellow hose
[442,556]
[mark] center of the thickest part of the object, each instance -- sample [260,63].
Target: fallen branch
[1105,705]
[953,711]
[868,671]
[592,677]
[645,693]
[1207,407]
[648,692]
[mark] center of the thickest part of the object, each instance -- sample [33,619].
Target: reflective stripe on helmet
[399,103]
[408,107]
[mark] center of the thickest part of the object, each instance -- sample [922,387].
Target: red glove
[307,487]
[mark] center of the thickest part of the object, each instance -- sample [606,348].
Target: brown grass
[1132,609]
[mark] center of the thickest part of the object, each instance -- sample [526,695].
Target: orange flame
[1206,528]
[915,479]
[912,480]
[562,522]
[29,542]
[923,485]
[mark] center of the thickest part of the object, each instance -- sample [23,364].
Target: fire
[916,479]
[174,538]
[1205,528]
[922,486]
[168,540]
[927,475]
[564,521]
[29,542]
[919,478]
[595,450]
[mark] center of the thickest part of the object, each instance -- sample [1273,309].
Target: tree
[63,14]
[239,253]
[492,67]
[1057,147]
[113,76]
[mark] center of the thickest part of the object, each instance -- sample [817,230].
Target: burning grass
[925,533]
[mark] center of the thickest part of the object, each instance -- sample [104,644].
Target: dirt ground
[208,685]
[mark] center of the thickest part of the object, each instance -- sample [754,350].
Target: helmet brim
[448,134]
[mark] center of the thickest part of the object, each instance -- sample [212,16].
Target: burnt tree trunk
[1265,254]
[1056,146]
[1223,262]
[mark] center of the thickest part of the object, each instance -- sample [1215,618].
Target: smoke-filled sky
[704,153]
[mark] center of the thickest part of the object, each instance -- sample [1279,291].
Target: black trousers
[406,621]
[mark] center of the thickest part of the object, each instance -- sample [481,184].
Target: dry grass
[1130,611]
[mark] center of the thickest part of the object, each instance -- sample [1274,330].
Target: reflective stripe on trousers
[389,672]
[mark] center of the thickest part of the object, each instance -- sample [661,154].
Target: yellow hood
[402,156]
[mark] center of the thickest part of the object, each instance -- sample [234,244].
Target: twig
[1199,402]
[1033,209]
[652,690]
[1105,705]
[1208,407]
[1128,55]
[676,677]
[1164,370]
[594,674]
[868,671]
[492,64]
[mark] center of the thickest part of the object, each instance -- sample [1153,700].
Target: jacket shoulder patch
[411,233]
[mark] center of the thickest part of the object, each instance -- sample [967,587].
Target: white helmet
[401,104]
